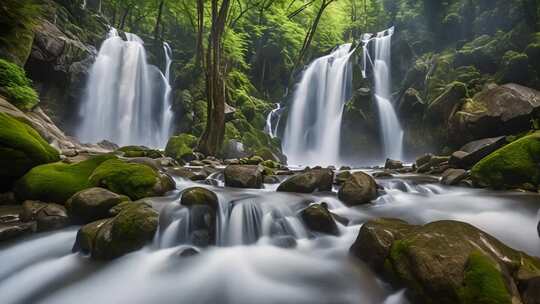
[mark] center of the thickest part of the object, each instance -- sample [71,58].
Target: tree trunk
[123,19]
[312,30]
[158,20]
[200,31]
[212,138]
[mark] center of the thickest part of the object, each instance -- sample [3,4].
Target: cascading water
[312,134]
[392,133]
[127,100]
[270,127]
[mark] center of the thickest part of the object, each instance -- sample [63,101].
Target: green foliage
[16,86]
[21,148]
[512,165]
[134,180]
[16,25]
[57,182]
[483,282]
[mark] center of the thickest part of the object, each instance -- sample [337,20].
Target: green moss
[198,196]
[16,87]
[134,180]
[483,283]
[57,182]
[398,248]
[511,166]
[21,148]
[16,28]
[139,151]
[180,146]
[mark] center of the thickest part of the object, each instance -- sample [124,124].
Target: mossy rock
[134,180]
[181,146]
[511,166]
[139,151]
[92,204]
[445,262]
[130,229]
[21,149]
[318,218]
[16,86]
[57,182]
[483,282]
[199,196]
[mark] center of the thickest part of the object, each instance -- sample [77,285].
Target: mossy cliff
[21,149]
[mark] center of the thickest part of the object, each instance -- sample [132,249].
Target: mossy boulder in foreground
[21,149]
[93,204]
[203,206]
[359,188]
[511,166]
[133,226]
[309,181]
[57,182]
[447,262]
[134,180]
[181,147]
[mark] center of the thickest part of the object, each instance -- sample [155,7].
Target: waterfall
[270,128]
[392,133]
[127,100]
[312,134]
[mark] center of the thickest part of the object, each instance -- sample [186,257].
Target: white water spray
[312,134]
[127,100]
[392,133]
[270,128]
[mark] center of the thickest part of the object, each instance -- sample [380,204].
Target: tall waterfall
[392,133]
[127,100]
[312,134]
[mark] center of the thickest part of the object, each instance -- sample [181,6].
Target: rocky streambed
[254,233]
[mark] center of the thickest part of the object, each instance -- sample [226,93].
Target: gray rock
[243,176]
[452,177]
[47,216]
[309,181]
[318,218]
[93,204]
[359,189]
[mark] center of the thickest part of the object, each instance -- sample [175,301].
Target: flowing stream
[312,134]
[127,100]
[391,130]
[265,254]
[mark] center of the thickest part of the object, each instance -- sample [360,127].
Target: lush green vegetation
[16,86]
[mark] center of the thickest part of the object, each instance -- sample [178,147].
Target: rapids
[256,260]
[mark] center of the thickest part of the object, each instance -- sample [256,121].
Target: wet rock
[452,177]
[203,205]
[309,181]
[476,151]
[92,204]
[496,111]
[271,179]
[46,216]
[318,218]
[382,174]
[243,176]
[512,166]
[130,229]
[341,177]
[284,241]
[15,230]
[393,164]
[434,164]
[422,160]
[446,262]
[188,252]
[359,189]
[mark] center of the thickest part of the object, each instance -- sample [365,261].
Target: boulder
[451,99]
[511,166]
[46,216]
[446,262]
[473,152]
[181,147]
[452,177]
[359,189]
[271,179]
[203,206]
[134,180]
[130,229]
[393,164]
[423,159]
[21,149]
[92,204]
[318,218]
[243,176]
[11,225]
[309,181]
[434,165]
[57,182]
[496,111]
[341,177]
